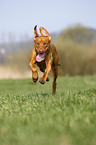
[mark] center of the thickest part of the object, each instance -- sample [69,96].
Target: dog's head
[42,43]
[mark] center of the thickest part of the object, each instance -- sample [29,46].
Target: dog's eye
[45,43]
[37,43]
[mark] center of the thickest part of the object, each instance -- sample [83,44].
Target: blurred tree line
[77,53]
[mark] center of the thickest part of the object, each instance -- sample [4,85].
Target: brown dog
[44,54]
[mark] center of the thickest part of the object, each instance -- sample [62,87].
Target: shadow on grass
[32,83]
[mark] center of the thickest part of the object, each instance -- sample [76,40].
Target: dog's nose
[40,51]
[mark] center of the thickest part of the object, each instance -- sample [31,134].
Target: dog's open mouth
[40,57]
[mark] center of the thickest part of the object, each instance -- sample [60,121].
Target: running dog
[45,55]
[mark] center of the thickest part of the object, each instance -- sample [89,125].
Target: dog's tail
[35,31]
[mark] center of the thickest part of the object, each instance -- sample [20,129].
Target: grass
[31,115]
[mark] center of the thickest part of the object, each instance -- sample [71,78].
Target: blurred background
[72,25]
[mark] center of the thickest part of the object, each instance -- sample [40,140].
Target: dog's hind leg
[55,75]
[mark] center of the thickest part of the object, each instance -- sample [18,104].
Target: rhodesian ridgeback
[45,55]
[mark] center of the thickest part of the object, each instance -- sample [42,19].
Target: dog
[45,55]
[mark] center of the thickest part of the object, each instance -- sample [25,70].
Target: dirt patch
[7,72]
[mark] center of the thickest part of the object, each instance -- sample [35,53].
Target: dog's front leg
[48,61]
[32,65]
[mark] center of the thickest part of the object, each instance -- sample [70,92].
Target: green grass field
[31,115]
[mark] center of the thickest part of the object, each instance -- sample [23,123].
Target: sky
[19,17]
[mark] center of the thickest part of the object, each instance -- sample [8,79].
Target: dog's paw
[47,79]
[42,81]
[34,80]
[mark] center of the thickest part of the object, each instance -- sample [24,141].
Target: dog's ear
[35,32]
[44,32]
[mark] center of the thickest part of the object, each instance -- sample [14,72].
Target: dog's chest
[40,57]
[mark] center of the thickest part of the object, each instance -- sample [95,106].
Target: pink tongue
[40,57]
